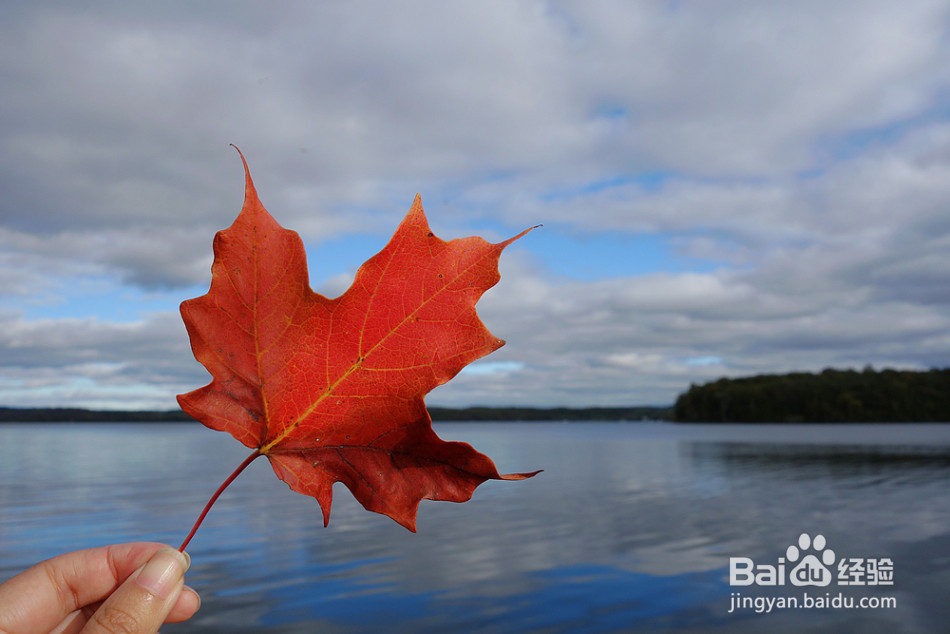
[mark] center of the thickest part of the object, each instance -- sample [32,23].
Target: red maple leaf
[332,390]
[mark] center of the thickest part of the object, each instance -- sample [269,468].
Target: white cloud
[802,149]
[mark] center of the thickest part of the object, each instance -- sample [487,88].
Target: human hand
[120,588]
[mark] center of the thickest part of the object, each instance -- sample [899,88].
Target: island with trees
[831,396]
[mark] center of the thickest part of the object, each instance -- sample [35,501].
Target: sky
[726,188]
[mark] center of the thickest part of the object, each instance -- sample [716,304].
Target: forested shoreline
[439,414]
[831,396]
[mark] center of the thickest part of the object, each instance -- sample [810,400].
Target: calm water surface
[630,527]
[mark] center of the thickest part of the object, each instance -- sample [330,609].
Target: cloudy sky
[726,188]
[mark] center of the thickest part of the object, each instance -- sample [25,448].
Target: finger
[145,599]
[186,606]
[41,597]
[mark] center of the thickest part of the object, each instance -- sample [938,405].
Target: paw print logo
[810,571]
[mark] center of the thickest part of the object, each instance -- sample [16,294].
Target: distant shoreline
[831,396]
[439,414]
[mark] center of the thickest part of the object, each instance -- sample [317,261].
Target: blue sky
[725,189]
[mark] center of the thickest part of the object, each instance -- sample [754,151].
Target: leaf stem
[224,485]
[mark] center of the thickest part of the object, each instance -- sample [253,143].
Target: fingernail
[162,572]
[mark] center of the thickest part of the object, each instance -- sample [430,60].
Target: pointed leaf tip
[519,236]
[250,192]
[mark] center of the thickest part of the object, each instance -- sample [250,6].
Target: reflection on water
[630,527]
[855,465]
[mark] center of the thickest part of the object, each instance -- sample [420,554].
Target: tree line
[446,414]
[831,396]
[439,414]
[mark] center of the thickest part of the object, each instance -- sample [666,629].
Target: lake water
[631,527]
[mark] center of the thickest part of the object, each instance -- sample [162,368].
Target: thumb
[144,600]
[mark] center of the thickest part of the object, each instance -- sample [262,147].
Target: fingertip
[163,572]
[189,602]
